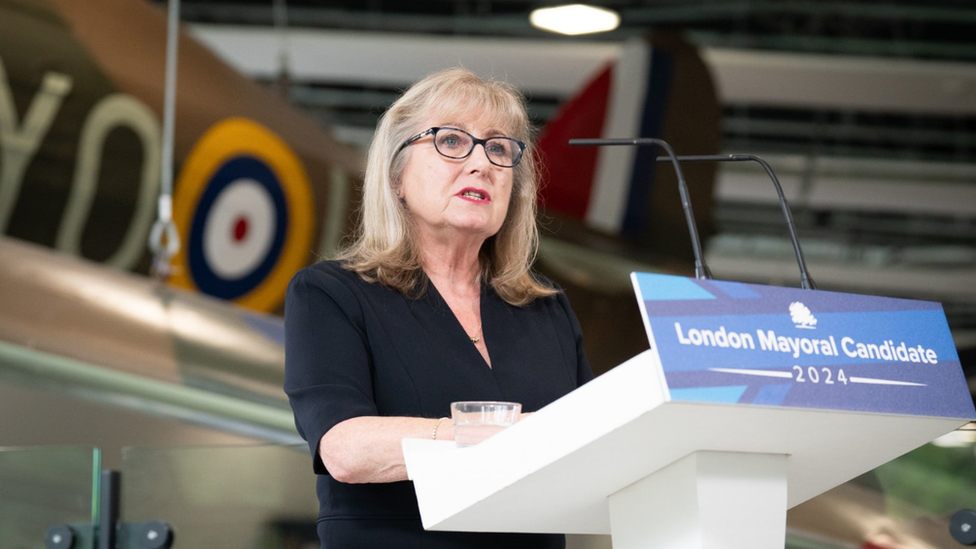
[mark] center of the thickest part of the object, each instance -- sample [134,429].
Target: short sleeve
[327,359]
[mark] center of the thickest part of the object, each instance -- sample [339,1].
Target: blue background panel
[656,288]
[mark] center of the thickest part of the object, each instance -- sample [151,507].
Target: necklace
[476,339]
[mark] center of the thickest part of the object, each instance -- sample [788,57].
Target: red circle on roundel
[240,229]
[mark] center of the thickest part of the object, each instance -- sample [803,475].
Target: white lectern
[622,456]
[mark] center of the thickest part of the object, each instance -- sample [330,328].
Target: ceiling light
[575,19]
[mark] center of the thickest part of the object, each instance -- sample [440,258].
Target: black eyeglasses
[504,152]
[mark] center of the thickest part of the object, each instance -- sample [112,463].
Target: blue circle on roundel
[240,167]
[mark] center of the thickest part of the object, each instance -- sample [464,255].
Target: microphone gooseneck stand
[806,281]
[701,269]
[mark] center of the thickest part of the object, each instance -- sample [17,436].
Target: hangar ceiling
[940,29]
[933,31]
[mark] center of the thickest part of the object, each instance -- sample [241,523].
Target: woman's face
[453,199]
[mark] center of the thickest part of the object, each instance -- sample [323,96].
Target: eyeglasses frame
[475,141]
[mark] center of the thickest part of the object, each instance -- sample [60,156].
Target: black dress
[354,349]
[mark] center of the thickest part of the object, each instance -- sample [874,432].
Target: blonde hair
[384,246]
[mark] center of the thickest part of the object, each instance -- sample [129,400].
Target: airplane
[81,153]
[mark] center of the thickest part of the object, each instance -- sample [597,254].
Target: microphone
[701,270]
[806,281]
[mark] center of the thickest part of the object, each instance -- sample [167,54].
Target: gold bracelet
[433,432]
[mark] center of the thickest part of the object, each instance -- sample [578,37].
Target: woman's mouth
[474,195]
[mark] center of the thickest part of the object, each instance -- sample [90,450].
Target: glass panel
[45,487]
[907,502]
[231,496]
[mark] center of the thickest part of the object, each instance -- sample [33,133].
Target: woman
[434,302]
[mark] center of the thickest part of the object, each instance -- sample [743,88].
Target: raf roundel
[243,207]
[242,233]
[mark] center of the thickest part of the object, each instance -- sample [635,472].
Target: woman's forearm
[368,449]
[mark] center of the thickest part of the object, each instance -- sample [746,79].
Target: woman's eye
[451,140]
[497,148]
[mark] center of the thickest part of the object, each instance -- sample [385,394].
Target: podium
[656,466]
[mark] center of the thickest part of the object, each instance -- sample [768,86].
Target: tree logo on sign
[802,317]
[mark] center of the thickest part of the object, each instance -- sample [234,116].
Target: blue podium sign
[733,342]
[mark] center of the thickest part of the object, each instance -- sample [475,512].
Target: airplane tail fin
[657,88]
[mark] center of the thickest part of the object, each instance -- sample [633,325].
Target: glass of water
[475,421]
